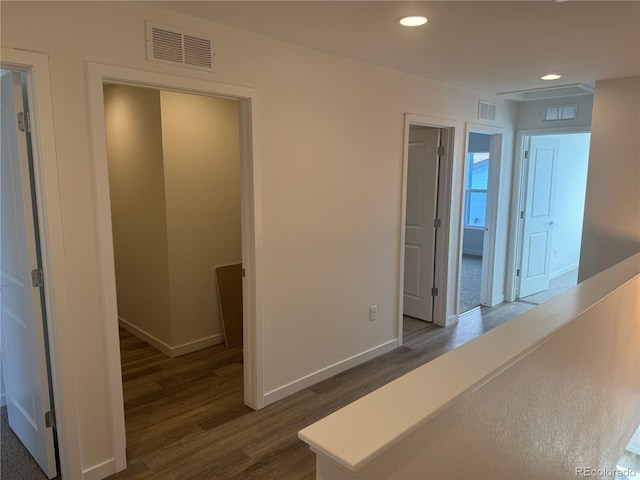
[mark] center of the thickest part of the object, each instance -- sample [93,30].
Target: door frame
[28,372]
[517,201]
[431,139]
[47,201]
[443,211]
[251,225]
[493,193]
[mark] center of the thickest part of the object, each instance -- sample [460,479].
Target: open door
[24,358]
[420,230]
[538,215]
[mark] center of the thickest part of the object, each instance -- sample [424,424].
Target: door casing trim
[448,127]
[517,201]
[47,198]
[251,216]
[493,195]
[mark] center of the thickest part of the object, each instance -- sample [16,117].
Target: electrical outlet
[373,312]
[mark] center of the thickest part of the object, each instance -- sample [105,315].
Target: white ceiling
[487,46]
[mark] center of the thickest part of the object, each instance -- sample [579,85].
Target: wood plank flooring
[411,326]
[185,418]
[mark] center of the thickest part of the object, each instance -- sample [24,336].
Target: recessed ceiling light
[550,76]
[413,21]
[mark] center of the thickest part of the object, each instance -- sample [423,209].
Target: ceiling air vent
[560,112]
[179,47]
[486,111]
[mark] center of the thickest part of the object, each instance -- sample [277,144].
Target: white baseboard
[451,320]
[328,372]
[562,271]
[167,349]
[100,471]
[197,345]
[497,300]
[475,253]
[3,399]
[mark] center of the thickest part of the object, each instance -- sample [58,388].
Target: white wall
[3,399]
[473,241]
[503,217]
[331,149]
[174,174]
[530,114]
[202,184]
[611,229]
[479,142]
[139,218]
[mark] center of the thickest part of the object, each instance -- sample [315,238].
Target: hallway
[185,417]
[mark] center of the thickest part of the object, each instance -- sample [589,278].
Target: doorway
[174,180]
[425,219]
[420,230]
[553,178]
[26,372]
[482,162]
[250,179]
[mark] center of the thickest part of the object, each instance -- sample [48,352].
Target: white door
[489,237]
[419,248]
[538,216]
[23,345]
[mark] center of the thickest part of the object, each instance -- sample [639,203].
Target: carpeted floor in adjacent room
[470,282]
[16,462]
[557,285]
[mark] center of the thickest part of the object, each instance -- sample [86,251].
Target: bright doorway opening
[553,179]
[482,162]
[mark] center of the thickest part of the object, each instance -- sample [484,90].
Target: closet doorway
[247,100]
[479,208]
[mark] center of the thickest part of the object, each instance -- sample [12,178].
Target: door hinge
[244,273]
[526,154]
[50,419]
[522,214]
[517,272]
[434,292]
[37,277]
[441,150]
[437,223]
[24,125]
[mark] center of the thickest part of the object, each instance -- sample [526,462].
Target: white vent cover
[174,46]
[486,111]
[560,112]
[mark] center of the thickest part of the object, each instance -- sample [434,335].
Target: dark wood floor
[185,418]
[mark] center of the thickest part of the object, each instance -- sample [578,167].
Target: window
[476,189]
